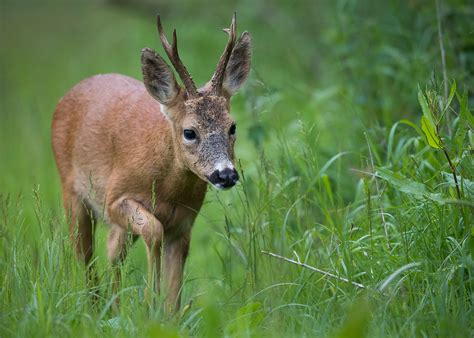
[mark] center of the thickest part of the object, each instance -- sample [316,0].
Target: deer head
[204,132]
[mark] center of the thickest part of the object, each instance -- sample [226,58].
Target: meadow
[354,214]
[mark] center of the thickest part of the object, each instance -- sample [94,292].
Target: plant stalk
[312,268]
[453,170]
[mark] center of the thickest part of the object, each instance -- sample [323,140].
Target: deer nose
[225,178]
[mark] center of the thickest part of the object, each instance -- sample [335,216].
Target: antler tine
[218,77]
[172,52]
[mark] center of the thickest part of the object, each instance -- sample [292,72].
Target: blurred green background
[329,78]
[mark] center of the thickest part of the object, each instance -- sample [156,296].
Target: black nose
[224,178]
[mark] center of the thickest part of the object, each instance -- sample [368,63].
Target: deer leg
[81,231]
[128,213]
[154,268]
[118,243]
[175,253]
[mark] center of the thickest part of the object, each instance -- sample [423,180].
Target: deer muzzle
[224,179]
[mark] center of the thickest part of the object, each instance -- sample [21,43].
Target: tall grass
[406,236]
[338,173]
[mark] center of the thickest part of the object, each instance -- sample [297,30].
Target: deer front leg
[175,253]
[127,212]
[118,243]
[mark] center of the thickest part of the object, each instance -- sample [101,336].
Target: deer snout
[224,179]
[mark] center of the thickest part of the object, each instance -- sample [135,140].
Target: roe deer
[140,155]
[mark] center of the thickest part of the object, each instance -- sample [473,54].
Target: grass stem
[312,268]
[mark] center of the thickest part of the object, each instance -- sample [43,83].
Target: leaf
[396,273]
[401,182]
[451,95]
[425,108]
[414,126]
[407,186]
[430,133]
[467,185]
[392,135]
[428,125]
[327,186]
[331,161]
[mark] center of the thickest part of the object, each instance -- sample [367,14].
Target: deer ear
[158,77]
[238,67]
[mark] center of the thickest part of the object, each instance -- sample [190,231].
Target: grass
[336,173]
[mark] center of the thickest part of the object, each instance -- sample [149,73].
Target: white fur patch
[225,164]
[164,110]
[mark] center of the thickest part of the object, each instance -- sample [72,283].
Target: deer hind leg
[118,243]
[128,213]
[81,231]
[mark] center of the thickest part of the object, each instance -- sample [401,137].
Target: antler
[172,52]
[218,77]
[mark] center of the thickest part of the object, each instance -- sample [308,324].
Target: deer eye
[232,129]
[189,134]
